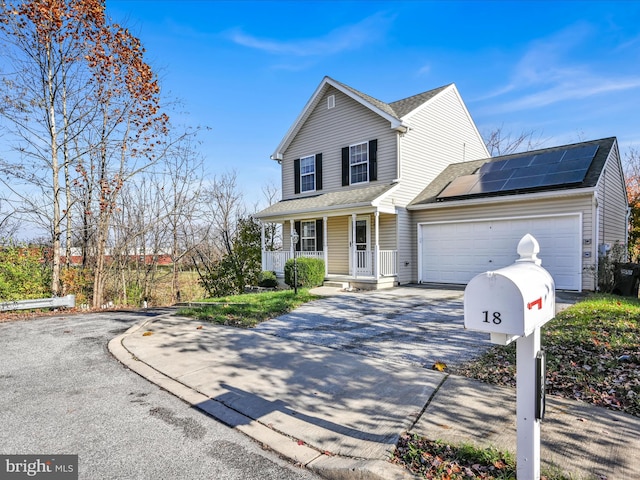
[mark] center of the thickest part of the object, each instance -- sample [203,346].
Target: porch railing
[275,260]
[388,263]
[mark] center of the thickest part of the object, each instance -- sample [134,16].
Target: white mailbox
[512,301]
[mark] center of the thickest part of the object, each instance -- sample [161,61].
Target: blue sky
[569,71]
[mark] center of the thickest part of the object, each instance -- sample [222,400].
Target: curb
[324,464]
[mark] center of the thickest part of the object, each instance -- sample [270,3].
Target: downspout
[596,240]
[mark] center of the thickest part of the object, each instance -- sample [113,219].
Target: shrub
[267,279]
[310,272]
[23,274]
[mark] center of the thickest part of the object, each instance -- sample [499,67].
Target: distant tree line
[96,164]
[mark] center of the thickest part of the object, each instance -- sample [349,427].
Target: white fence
[55,302]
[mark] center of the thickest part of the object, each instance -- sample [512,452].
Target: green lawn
[593,354]
[249,309]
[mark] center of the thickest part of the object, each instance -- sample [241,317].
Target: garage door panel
[456,252]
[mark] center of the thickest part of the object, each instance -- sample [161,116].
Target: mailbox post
[512,303]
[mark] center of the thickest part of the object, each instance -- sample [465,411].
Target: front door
[360,235]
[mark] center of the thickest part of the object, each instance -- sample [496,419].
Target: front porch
[354,251]
[373,269]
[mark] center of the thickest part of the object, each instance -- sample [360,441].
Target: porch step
[335,284]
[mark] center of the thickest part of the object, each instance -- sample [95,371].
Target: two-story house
[350,166]
[401,192]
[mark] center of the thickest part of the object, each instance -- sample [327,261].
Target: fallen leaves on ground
[437,460]
[593,355]
[439,366]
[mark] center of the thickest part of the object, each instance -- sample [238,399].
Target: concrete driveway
[416,325]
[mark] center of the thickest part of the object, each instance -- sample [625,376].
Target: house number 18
[495,317]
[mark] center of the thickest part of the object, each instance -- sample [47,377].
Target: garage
[455,251]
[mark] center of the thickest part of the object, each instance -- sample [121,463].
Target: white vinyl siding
[330,130]
[387,236]
[441,133]
[613,203]
[406,245]
[338,245]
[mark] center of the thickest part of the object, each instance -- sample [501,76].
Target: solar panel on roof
[496,175]
[459,186]
[557,167]
[491,167]
[489,186]
[520,183]
[587,151]
[560,178]
[547,158]
[520,162]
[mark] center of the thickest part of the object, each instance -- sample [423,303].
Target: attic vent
[331,101]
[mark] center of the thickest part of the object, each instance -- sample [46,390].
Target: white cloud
[424,70]
[545,75]
[348,37]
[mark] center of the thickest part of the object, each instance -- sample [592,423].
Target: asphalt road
[61,392]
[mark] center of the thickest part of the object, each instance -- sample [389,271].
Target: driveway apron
[414,325]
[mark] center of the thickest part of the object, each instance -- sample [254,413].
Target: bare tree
[272,231]
[500,142]
[181,191]
[631,166]
[85,110]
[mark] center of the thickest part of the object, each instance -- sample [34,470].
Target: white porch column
[325,246]
[292,227]
[376,255]
[354,253]
[262,246]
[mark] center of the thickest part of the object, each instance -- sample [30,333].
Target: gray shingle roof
[453,171]
[399,108]
[407,105]
[342,199]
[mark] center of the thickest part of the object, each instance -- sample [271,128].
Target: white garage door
[454,252]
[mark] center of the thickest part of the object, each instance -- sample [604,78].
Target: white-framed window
[359,162]
[331,102]
[308,236]
[308,173]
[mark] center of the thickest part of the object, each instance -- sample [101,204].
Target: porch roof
[327,202]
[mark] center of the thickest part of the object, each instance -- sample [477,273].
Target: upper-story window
[359,163]
[308,173]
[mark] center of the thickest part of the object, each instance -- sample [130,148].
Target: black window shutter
[297,227]
[319,235]
[318,171]
[296,174]
[345,166]
[373,160]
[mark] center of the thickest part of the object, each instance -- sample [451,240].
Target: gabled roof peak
[392,112]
